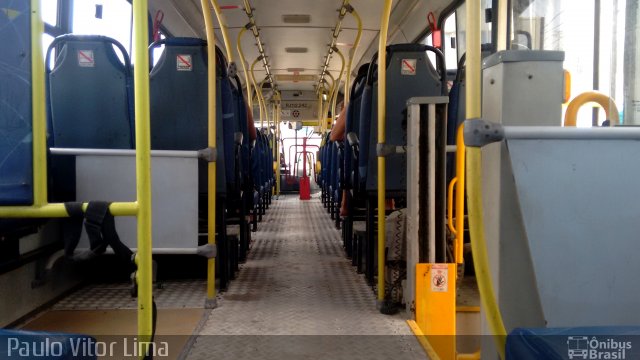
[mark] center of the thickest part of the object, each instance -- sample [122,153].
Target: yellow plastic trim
[607,103]
[382,165]
[352,52]
[422,339]
[468,309]
[474,356]
[566,96]
[452,186]
[211,140]
[460,189]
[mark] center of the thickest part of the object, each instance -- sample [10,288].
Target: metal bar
[211,135]
[431,183]
[334,38]
[59,211]
[223,29]
[558,133]
[451,148]
[243,61]
[256,34]
[382,165]
[39,125]
[352,52]
[337,85]
[117,152]
[143,171]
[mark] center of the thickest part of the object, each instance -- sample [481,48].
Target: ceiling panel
[186,19]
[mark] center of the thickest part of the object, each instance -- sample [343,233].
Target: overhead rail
[256,34]
[141,208]
[352,53]
[211,135]
[334,39]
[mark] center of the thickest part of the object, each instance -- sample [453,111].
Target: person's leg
[344,211]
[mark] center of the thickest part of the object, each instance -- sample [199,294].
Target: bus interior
[337,179]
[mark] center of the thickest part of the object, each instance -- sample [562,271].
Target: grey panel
[521,56]
[582,227]
[174,196]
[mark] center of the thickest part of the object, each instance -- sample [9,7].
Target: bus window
[109,18]
[157,51]
[450,47]
[595,60]
[461,18]
[50,12]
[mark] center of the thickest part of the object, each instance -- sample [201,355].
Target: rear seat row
[349,167]
[90,105]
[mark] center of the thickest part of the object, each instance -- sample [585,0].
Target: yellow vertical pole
[278,115]
[211,133]
[143,169]
[460,188]
[39,115]
[474,182]
[382,165]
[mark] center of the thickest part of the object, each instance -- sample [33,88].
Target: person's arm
[337,131]
[251,126]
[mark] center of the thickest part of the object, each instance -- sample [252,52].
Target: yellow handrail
[452,185]
[243,61]
[258,92]
[382,165]
[337,85]
[352,52]
[223,29]
[474,181]
[143,169]
[609,106]
[460,186]
[211,141]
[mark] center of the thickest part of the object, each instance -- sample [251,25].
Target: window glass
[110,18]
[569,26]
[157,51]
[450,46]
[50,12]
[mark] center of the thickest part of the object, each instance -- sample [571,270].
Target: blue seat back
[179,117]
[353,121]
[91,103]
[402,85]
[16,174]
[241,118]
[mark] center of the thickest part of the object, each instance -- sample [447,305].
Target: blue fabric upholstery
[614,342]
[16,176]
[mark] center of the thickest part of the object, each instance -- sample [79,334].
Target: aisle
[297,281]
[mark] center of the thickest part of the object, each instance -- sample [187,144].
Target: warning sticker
[184,63]
[286,113]
[439,278]
[408,67]
[86,59]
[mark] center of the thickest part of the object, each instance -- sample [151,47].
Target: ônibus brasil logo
[581,347]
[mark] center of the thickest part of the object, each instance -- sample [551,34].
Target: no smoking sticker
[439,278]
[86,59]
[184,63]
[408,67]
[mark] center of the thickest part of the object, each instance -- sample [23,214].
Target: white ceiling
[184,18]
